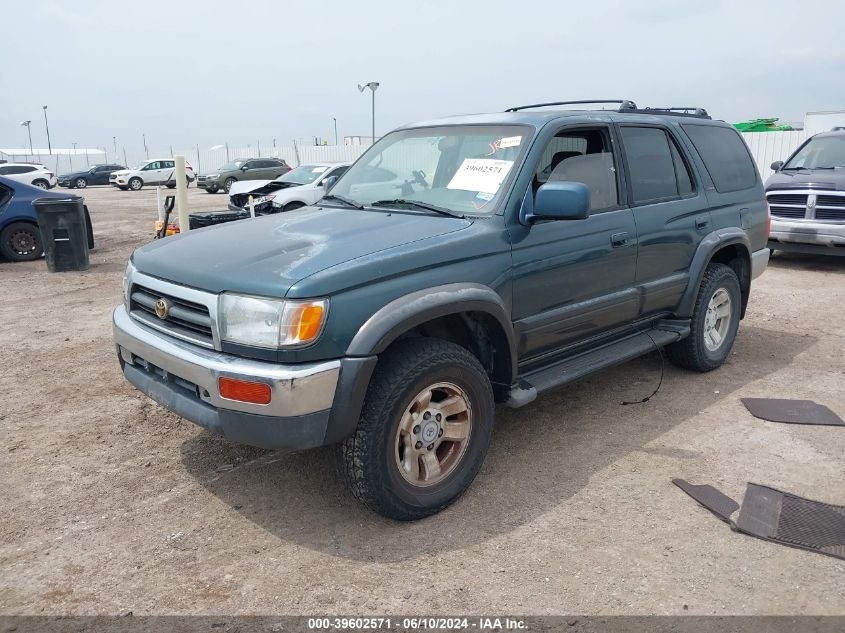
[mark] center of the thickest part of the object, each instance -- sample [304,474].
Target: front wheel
[424,430]
[21,242]
[290,206]
[715,321]
[135,184]
[80,183]
[228,184]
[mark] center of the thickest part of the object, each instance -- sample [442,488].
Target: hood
[246,186]
[269,254]
[833,179]
[74,174]
[121,172]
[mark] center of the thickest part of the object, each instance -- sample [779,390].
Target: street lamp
[373,85]
[27,125]
[146,149]
[335,130]
[49,147]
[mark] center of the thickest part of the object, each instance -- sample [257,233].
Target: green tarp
[761,125]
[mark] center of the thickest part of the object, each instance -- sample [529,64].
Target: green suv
[243,169]
[458,264]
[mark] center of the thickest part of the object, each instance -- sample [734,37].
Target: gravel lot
[112,504]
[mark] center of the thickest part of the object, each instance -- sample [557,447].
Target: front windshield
[232,165]
[457,168]
[303,175]
[824,152]
[142,165]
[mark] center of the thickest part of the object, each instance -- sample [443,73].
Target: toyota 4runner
[458,263]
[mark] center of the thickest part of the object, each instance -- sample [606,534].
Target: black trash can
[64,233]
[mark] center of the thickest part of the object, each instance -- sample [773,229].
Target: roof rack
[624,104]
[700,113]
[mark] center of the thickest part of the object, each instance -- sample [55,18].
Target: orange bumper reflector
[253,392]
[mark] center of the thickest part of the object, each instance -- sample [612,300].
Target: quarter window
[725,156]
[656,169]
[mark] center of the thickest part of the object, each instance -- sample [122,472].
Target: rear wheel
[424,430]
[41,184]
[715,321]
[135,183]
[80,183]
[21,242]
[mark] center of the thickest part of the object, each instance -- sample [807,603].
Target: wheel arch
[471,315]
[729,246]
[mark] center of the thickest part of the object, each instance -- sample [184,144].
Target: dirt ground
[112,504]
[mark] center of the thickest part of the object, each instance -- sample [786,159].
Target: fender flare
[711,243]
[411,310]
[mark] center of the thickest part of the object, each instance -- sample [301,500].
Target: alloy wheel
[433,434]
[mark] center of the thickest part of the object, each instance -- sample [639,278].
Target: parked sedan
[20,237]
[95,175]
[30,174]
[240,170]
[297,188]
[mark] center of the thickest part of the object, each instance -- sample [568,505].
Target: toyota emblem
[162,308]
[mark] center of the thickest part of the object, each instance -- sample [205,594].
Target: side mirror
[328,183]
[561,201]
[244,168]
[777,165]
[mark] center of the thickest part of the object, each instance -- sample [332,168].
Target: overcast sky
[247,71]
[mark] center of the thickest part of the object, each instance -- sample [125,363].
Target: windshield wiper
[346,201]
[416,203]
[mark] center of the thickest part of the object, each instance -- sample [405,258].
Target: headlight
[127,283]
[270,323]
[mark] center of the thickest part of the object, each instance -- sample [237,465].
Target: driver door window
[583,156]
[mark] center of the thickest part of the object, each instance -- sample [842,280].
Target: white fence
[767,147]
[209,160]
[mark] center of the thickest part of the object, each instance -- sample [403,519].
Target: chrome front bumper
[808,232]
[296,390]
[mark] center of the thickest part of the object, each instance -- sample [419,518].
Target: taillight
[768,219]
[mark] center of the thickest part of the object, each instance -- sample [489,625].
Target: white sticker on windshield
[480,174]
[318,170]
[510,141]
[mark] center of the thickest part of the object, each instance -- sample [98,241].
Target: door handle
[701,222]
[619,239]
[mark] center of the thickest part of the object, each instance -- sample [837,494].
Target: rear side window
[650,164]
[725,156]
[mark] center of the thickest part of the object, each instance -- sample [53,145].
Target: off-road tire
[8,240]
[691,352]
[135,183]
[366,460]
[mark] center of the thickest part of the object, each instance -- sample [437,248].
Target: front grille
[830,201]
[830,214]
[788,198]
[185,319]
[787,212]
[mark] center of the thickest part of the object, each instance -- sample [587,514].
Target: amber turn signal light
[243,391]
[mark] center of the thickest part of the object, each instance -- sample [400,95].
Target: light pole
[27,125]
[146,149]
[335,130]
[49,147]
[71,157]
[373,85]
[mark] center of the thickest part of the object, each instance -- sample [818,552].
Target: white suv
[158,171]
[29,173]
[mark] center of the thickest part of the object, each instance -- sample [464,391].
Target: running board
[574,368]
